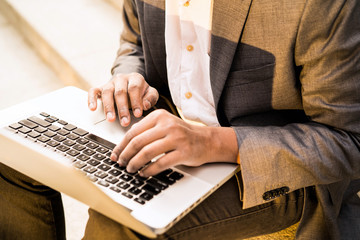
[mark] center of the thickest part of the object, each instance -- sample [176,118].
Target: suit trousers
[30,210]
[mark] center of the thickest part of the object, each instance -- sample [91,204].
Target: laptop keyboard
[90,154]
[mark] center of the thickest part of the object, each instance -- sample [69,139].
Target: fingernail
[109,115]
[147,105]
[91,105]
[113,156]
[121,162]
[137,112]
[141,173]
[124,121]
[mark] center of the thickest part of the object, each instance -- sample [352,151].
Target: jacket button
[267,196]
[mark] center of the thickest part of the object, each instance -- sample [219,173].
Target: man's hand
[175,141]
[124,91]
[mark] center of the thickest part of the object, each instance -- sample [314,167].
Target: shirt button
[187,3]
[189,48]
[188,95]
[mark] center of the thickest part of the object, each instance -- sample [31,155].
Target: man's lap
[37,208]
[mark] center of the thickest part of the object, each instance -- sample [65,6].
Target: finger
[150,152]
[135,130]
[150,98]
[93,95]
[121,98]
[166,161]
[107,95]
[136,89]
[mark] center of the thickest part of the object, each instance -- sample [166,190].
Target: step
[23,75]
[77,39]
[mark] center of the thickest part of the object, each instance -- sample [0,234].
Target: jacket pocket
[248,91]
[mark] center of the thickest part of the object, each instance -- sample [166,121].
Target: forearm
[130,57]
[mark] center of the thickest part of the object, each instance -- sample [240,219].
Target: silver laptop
[56,140]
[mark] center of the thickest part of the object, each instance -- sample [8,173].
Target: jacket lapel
[228,20]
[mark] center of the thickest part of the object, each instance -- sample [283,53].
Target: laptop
[56,140]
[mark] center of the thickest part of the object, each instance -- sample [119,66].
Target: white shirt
[187,40]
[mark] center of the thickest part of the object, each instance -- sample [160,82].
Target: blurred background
[48,44]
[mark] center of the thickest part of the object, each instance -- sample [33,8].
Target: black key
[49,134]
[59,138]
[50,120]
[39,121]
[111,180]
[54,128]
[33,134]
[79,147]
[44,114]
[62,148]
[69,142]
[15,126]
[151,189]
[62,122]
[88,152]
[119,167]
[40,129]
[103,183]
[164,179]
[63,132]
[140,177]
[128,195]
[69,127]
[92,145]
[156,183]
[134,190]
[176,175]
[104,167]
[123,185]
[136,182]
[52,143]
[72,136]
[138,200]
[109,161]
[115,172]
[82,141]
[93,162]
[101,141]
[73,152]
[115,189]
[99,156]
[126,177]
[80,132]
[90,169]
[28,124]
[101,174]
[146,196]
[165,172]
[79,165]
[43,139]
[102,150]
[83,157]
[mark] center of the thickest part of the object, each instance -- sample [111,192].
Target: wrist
[223,147]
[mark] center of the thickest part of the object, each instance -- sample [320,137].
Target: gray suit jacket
[286,76]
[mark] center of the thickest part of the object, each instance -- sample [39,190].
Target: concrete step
[77,39]
[23,75]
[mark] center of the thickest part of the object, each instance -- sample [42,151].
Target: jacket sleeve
[130,56]
[275,160]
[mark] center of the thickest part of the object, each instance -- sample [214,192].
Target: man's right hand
[124,91]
